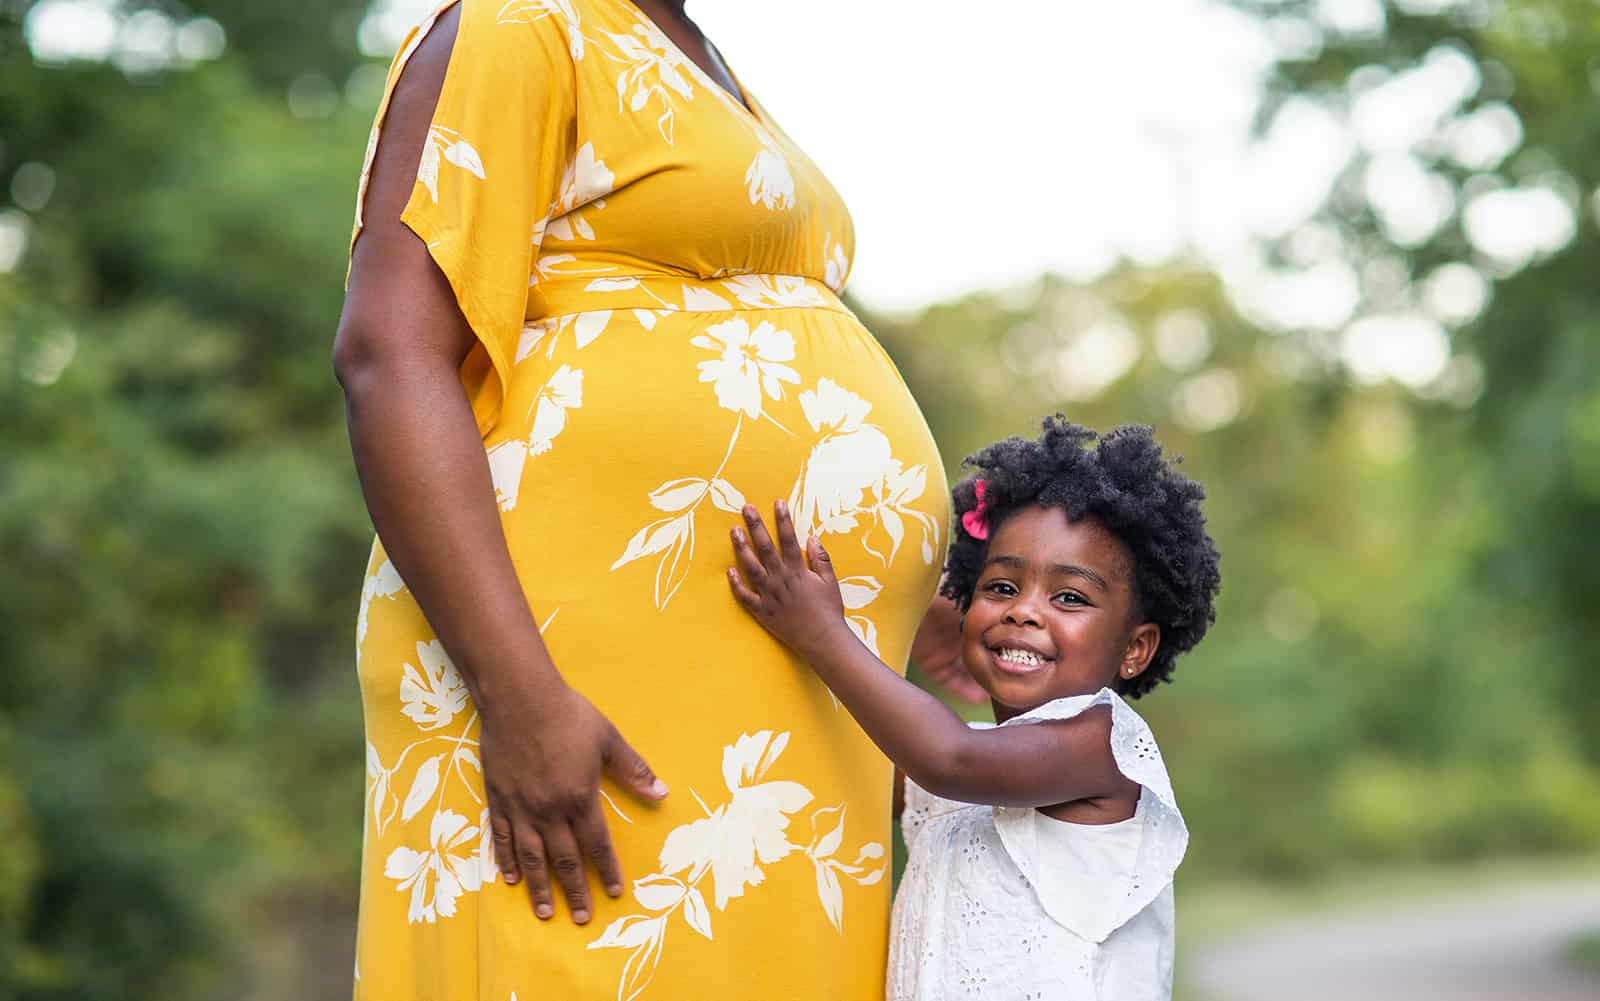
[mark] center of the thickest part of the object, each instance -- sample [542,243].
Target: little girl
[1042,849]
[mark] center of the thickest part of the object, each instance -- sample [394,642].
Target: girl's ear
[1142,646]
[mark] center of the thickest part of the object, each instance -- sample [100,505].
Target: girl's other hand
[796,602]
[936,650]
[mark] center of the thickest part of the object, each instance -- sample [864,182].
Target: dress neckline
[742,102]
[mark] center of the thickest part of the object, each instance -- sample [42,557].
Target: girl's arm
[421,462]
[1040,764]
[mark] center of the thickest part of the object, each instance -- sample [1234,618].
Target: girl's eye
[1071,598]
[1000,587]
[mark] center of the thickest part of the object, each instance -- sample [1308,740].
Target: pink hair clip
[976,521]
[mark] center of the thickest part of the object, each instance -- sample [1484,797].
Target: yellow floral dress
[652,271]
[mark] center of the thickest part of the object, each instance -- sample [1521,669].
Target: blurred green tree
[182,536]
[1490,127]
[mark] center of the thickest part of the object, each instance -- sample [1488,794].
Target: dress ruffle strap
[1114,897]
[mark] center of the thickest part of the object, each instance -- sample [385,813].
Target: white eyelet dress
[1007,904]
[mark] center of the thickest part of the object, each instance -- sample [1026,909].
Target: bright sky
[979,146]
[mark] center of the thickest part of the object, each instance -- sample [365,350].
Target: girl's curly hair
[1127,485]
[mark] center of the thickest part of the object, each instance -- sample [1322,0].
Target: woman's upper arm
[398,300]
[475,135]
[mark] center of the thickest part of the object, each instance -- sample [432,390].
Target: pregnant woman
[593,307]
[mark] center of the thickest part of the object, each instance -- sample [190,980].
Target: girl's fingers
[821,562]
[788,545]
[759,539]
[748,562]
[741,590]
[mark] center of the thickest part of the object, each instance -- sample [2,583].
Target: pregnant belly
[626,459]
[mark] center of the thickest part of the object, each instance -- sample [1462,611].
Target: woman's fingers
[628,767]
[531,860]
[788,545]
[567,863]
[505,858]
[595,839]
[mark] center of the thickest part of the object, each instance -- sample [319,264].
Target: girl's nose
[1022,612]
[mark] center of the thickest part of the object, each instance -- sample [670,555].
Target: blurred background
[1341,253]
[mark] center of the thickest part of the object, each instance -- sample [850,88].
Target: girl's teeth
[1021,657]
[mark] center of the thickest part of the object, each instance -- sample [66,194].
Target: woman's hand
[796,602]
[543,753]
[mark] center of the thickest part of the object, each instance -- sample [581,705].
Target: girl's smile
[1055,612]
[1018,657]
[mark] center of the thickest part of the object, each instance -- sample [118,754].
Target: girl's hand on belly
[798,603]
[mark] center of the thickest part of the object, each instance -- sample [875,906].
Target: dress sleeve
[490,174]
[918,808]
[922,806]
[1163,838]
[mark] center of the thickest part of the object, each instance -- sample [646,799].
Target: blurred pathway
[1502,946]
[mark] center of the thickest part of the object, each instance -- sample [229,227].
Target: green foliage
[183,537]
[1538,422]
[1401,668]
[1585,953]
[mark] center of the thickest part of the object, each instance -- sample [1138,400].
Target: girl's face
[1054,613]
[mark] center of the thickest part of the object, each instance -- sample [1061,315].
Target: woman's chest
[671,172]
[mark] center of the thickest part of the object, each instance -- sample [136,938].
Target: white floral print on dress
[584,185]
[529,11]
[433,695]
[773,291]
[385,582]
[730,845]
[447,145]
[673,536]
[654,68]
[563,392]
[851,460]
[438,876]
[849,457]
[768,179]
[751,362]
[837,269]
[857,593]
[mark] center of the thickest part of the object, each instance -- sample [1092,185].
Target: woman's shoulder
[514,32]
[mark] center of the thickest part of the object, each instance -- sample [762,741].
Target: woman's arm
[423,470]
[1040,764]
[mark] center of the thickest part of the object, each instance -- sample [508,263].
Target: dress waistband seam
[665,293]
